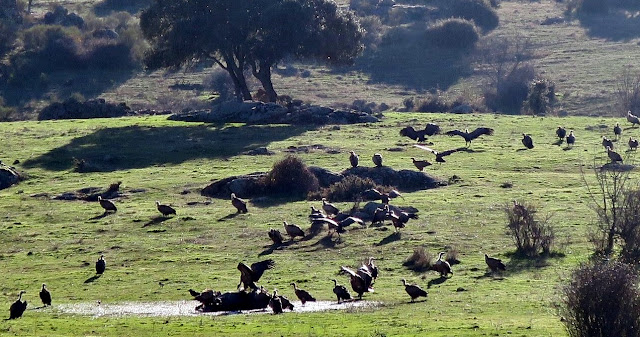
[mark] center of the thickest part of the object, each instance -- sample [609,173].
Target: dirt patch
[187,308]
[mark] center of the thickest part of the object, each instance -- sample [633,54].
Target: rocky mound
[271,113]
[94,108]
[8,176]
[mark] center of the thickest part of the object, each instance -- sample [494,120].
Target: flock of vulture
[362,279]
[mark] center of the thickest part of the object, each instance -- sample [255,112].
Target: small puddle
[187,308]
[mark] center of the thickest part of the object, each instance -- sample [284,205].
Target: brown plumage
[101,265]
[494,264]
[379,215]
[606,142]
[45,295]
[239,204]
[633,119]
[18,307]
[353,159]
[420,135]
[614,156]
[165,209]
[373,269]
[468,137]
[302,294]
[420,164]
[341,291]
[330,208]
[377,160]
[561,132]
[108,205]
[617,130]
[360,280]
[633,143]
[442,266]
[527,141]
[250,275]
[348,221]
[275,236]
[413,290]
[571,138]
[275,303]
[293,230]
[439,155]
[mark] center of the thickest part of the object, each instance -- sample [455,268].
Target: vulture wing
[448,152]
[258,268]
[457,133]
[432,129]
[479,132]
[427,148]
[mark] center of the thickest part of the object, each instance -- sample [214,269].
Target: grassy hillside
[57,242]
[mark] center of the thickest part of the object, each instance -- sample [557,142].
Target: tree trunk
[236,71]
[263,74]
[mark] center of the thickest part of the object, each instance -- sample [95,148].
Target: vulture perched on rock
[614,156]
[302,294]
[108,205]
[45,295]
[101,265]
[275,303]
[571,138]
[439,155]
[165,209]
[468,137]
[420,164]
[18,307]
[633,119]
[494,264]
[527,141]
[239,204]
[617,130]
[633,143]
[250,275]
[293,230]
[606,142]
[561,133]
[341,291]
[275,236]
[377,160]
[330,208]
[413,290]
[442,266]
[353,159]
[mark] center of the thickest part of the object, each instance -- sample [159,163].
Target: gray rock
[462,109]
[325,177]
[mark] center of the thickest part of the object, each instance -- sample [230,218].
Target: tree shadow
[229,216]
[98,217]
[436,281]
[92,278]
[274,247]
[395,236]
[112,149]
[617,25]
[326,242]
[519,262]
[156,220]
[106,7]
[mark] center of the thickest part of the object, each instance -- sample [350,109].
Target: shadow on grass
[98,217]
[520,262]
[326,242]
[558,142]
[229,216]
[436,281]
[275,246]
[130,147]
[618,25]
[92,278]
[395,236]
[156,221]
[272,201]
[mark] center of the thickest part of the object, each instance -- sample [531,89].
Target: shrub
[478,11]
[290,176]
[510,91]
[420,260]
[531,236]
[588,7]
[50,47]
[602,299]
[220,82]
[433,102]
[628,91]
[5,111]
[453,33]
[348,189]
[542,97]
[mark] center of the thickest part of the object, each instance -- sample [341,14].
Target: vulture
[316,213]
[275,236]
[45,295]
[293,230]
[614,156]
[561,133]
[617,130]
[380,215]
[420,164]
[439,155]
[527,141]
[373,269]
[633,119]
[353,158]
[394,194]
[332,225]
[396,221]
[494,264]
[330,208]
[419,135]
[606,142]
[275,303]
[206,296]
[101,265]
[633,143]
[377,159]
[302,294]
[371,194]
[341,291]
[571,138]
[193,293]
[360,280]
[413,290]
[18,307]
[239,204]
[442,266]
[250,275]
[165,209]
[351,220]
[108,205]
[468,137]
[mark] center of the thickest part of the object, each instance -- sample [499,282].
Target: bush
[628,91]
[453,33]
[530,235]
[5,111]
[108,56]
[220,82]
[542,97]
[290,176]
[348,189]
[602,299]
[588,7]
[511,91]
[420,260]
[478,11]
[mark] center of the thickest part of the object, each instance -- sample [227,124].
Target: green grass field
[57,242]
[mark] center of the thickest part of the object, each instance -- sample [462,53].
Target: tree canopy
[255,35]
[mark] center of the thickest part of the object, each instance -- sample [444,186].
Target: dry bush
[542,97]
[452,256]
[290,176]
[478,11]
[348,189]
[628,91]
[531,236]
[602,299]
[453,33]
[420,260]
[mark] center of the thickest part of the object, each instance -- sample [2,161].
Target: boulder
[325,177]
[9,176]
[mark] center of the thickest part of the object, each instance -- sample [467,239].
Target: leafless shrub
[420,260]
[532,236]
[290,176]
[628,91]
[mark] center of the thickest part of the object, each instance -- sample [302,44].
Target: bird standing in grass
[617,130]
[330,208]
[101,265]
[614,156]
[302,294]
[45,295]
[413,290]
[527,141]
[293,230]
[18,307]
[633,143]
[571,138]
[239,204]
[353,159]
[341,291]
[275,236]
[494,264]
[275,303]
[420,164]
[165,209]
[108,205]
[561,133]
[606,142]
[442,266]
[633,119]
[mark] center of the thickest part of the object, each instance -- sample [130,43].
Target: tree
[256,35]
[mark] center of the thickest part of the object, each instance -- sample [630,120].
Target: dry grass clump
[290,176]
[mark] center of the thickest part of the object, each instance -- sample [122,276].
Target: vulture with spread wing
[439,155]
[468,137]
[250,275]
